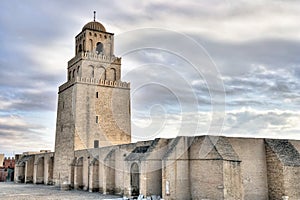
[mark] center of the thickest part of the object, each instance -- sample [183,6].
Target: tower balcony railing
[94,81]
[95,57]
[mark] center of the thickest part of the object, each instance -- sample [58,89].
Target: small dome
[96,26]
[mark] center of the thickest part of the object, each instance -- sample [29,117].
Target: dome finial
[94,16]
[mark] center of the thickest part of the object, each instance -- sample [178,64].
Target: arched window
[80,48]
[99,48]
[91,45]
[73,73]
[96,143]
[78,70]
[135,179]
[83,45]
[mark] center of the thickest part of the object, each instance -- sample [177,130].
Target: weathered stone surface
[283,161]
[285,152]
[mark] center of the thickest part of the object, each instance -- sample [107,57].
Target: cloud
[264,88]
[262,123]
[243,122]
[197,51]
[222,20]
[18,135]
[28,100]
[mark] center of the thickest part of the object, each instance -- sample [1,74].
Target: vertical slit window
[96,143]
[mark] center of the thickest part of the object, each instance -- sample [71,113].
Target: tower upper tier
[94,60]
[94,38]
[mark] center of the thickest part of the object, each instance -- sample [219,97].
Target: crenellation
[116,84]
[105,83]
[93,56]
[66,85]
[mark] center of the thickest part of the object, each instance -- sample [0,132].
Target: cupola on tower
[94,104]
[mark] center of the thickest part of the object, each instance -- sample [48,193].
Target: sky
[196,67]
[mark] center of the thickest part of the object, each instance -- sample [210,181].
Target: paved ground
[12,191]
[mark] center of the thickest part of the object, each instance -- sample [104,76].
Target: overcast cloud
[196,67]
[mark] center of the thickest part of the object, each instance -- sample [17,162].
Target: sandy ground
[12,191]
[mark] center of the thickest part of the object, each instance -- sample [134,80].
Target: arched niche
[79,173]
[100,73]
[90,73]
[111,74]
[135,179]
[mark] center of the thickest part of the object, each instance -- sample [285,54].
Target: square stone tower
[94,104]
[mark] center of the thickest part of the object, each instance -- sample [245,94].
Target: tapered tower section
[94,104]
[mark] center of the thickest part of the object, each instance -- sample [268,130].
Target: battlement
[9,158]
[93,81]
[116,84]
[94,57]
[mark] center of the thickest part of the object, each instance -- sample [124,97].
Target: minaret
[94,104]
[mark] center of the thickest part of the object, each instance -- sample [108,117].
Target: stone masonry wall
[232,180]
[152,167]
[64,139]
[252,154]
[153,177]
[206,178]
[29,168]
[176,171]
[291,181]
[103,114]
[275,175]
[288,169]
